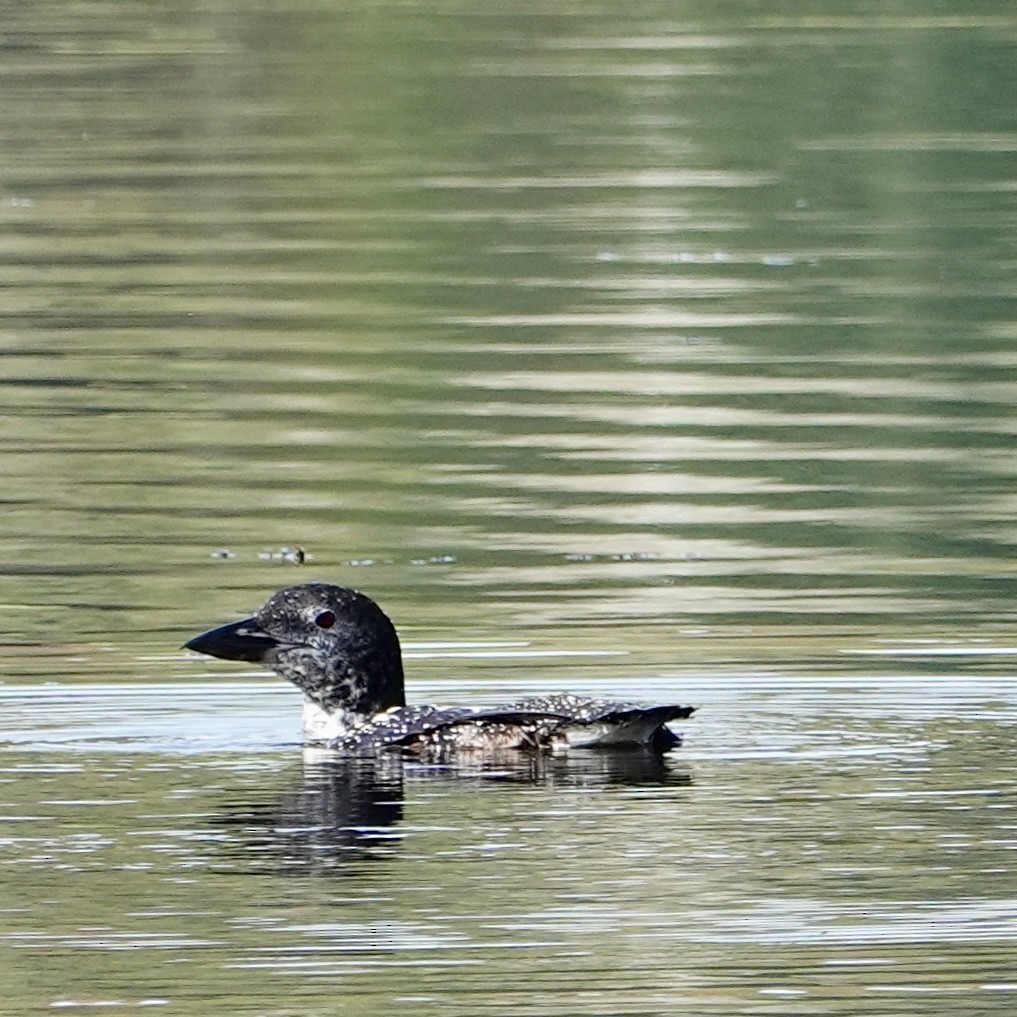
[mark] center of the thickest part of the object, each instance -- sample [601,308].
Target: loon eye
[325,620]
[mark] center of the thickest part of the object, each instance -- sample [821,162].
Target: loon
[342,651]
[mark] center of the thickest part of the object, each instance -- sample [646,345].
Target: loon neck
[321,725]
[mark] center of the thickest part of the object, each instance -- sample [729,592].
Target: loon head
[336,645]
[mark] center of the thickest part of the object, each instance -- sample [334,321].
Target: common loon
[342,651]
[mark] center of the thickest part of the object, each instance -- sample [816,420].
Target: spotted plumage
[341,650]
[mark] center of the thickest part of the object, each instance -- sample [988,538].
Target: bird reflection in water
[333,812]
[338,813]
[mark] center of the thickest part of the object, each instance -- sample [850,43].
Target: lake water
[659,350]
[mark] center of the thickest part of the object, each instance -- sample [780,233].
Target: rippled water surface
[657,350]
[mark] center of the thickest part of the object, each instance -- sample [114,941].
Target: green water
[656,349]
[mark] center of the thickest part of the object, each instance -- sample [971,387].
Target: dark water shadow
[327,814]
[333,814]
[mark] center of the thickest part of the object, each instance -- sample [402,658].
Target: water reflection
[683,333]
[335,811]
[332,812]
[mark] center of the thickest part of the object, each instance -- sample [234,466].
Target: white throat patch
[320,726]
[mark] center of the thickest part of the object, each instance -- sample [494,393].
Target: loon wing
[585,710]
[538,722]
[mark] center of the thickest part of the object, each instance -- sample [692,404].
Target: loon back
[554,723]
[341,650]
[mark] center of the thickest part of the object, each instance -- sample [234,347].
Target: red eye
[325,620]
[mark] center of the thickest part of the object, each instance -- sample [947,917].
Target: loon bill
[342,651]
